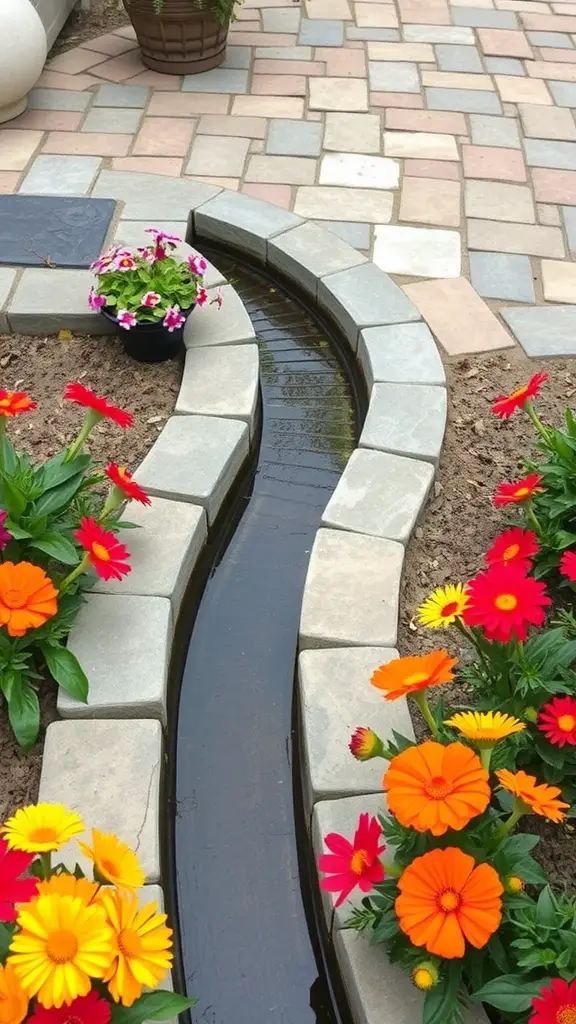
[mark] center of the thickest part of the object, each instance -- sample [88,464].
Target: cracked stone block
[47,300]
[308,253]
[364,297]
[195,458]
[543,330]
[380,494]
[109,772]
[342,816]
[243,221]
[163,551]
[406,419]
[335,697]
[221,381]
[210,325]
[7,279]
[148,197]
[351,591]
[123,644]
[403,353]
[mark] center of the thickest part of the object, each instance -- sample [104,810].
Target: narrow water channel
[246,947]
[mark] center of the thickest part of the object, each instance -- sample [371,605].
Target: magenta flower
[150,300]
[219,299]
[126,319]
[95,301]
[198,265]
[161,236]
[124,261]
[146,252]
[5,535]
[173,318]
[201,297]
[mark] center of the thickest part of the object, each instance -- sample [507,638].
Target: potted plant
[149,293]
[181,37]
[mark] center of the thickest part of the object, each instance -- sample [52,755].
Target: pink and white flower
[173,318]
[198,265]
[124,262]
[96,301]
[163,237]
[146,252]
[150,300]
[219,299]
[201,297]
[126,319]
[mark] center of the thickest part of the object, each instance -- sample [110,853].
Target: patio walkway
[437,136]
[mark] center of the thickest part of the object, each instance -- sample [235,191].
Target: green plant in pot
[181,37]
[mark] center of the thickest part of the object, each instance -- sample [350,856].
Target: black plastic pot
[150,343]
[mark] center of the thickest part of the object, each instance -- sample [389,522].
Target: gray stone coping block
[402,354]
[7,279]
[242,221]
[342,816]
[211,325]
[351,591]
[336,696]
[380,494]
[109,772]
[406,419]
[163,552]
[123,644]
[221,381]
[543,330]
[375,986]
[148,197]
[195,458]
[364,297]
[308,253]
[47,300]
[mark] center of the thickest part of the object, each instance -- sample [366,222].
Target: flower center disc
[449,901]
[438,787]
[43,834]
[517,394]
[567,1015]
[506,602]
[522,492]
[449,609]
[101,552]
[129,942]
[511,552]
[62,947]
[415,678]
[358,862]
[14,599]
[109,868]
[566,723]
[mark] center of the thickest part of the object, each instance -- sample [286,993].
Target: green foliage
[156,1005]
[175,282]
[223,10]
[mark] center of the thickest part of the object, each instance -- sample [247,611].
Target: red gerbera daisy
[105,552]
[122,479]
[513,547]
[504,601]
[100,406]
[568,565]
[505,405]
[12,403]
[353,864]
[90,1009]
[557,720]
[556,1004]
[521,490]
[14,889]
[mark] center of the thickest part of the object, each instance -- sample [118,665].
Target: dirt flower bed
[43,367]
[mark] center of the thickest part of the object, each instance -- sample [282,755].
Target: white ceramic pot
[22,55]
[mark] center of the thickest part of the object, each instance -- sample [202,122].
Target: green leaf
[152,1006]
[13,499]
[510,992]
[18,533]
[23,712]
[57,546]
[546,908]
[58,497]
[440,1001]
[9,458]
[518,845]
[568,940]
[56,471]
[6,933]
[66,670]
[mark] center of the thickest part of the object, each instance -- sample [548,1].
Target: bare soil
[460,521]
[43,367]
[102,17]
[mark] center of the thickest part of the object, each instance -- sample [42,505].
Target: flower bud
[425,975]
[531,714]
[513,884]
[365,744]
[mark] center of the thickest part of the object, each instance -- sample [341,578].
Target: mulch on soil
[460,521]
[43,367]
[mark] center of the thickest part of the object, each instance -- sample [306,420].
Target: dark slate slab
[38,231]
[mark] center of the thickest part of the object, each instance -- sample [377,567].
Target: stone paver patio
[436,136]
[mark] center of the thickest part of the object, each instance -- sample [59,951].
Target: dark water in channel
[246,947]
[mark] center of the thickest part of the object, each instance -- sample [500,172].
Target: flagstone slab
[144,199]
[500,275]
[38,306]
[543,330]
[404,353]
[458,317]
[221,381]
[7,279]
[417,252]
[406,419]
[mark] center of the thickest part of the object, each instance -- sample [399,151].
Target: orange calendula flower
[105,552]
[516,493]
[69,885]
[113,860]
[142,946]
[537,797]
[122,479]
[433,788]
[444,606]
[409,675]
[506,405]
[12,403]
[447,899]
[28,598]
[13,999]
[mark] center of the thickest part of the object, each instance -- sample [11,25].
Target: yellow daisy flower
[485,728]
[143,945]
[69,885]
[41,828]
[114,861]
[444,606]
[60,945]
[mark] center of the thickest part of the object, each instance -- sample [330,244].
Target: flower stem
[518,810]
[81,568]
[90,421]
[531,413]
[531,515]
[46,863]
[485,757]
[393,870]
[422,702]
[2,433]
